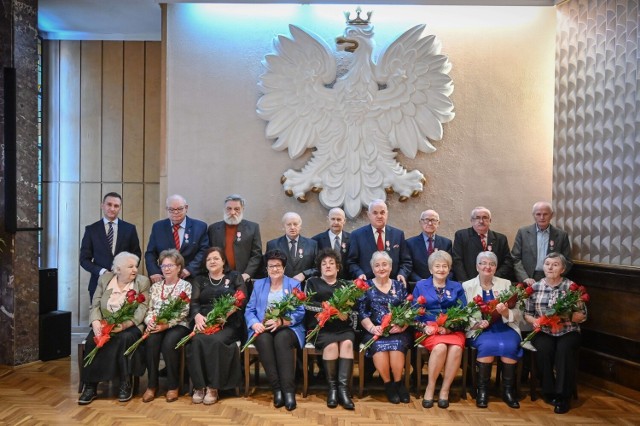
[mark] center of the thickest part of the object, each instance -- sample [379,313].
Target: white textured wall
[496,152]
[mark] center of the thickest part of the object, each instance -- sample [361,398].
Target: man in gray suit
[239,238]
[534,242]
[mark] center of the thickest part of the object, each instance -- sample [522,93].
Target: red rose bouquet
[456,318]
[401,315]
[111,320]
[222,309]
[339,305]
[168,312]
[566,304]
[281,310]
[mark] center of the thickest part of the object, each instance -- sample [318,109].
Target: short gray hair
[120,260]
[380,254]
[439,255]
[487,255]
[234,197]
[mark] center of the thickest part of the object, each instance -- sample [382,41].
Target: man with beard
[239,238]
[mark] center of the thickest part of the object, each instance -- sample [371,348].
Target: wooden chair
[407,370]
[473,355]
[421,353]
[308,350]
[251,356]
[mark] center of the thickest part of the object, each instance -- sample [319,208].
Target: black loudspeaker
[55,335]
[48,290]
[10,188]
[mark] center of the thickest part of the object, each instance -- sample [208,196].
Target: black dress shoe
[290,401]
[403,393]
[427,403]
[278,400]
[126,391]
[562,406]
[89,393]
[443,403]
[550,399]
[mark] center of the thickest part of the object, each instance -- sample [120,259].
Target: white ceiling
[141,19]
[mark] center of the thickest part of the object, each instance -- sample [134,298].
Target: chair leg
[419,353]
[305,371]
[360,374]
[407,369]
[465,364]
[247,372]
[533,380]
[80,366]
[473,355]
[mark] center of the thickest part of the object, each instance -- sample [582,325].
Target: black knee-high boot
[484,375]
[345,374]
[508,385]
[331,373]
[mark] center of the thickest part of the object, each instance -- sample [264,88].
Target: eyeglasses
[176,210]
[167,266]
[429,221]
[492,264]
[274,267]
[481,218]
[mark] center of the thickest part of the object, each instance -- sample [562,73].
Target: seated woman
[555,352]
[164,337]
[502,338]
[388,352]
[110,361]
[445,346]
[213,359]
[278,337]
[336,338]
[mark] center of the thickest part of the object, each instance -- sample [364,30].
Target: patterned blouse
[161,293]
[544,297]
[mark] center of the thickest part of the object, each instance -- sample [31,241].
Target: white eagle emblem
[355,119]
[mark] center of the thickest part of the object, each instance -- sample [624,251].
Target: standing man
[105,238]
[335,238]
[534,242]
[422,245]
[179,231]
[301,252]
[378,236]
[469,242]
[239,238]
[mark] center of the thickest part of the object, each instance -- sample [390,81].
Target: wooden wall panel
[151,203]
[152,113]
[133,210]
[90,111]
[69,111]
[68,243]
[112,94]
[133,124]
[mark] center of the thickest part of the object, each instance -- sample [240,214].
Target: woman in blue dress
[388,352]
[500,338]
[445,346]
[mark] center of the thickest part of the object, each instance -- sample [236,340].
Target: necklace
[162,296]
[215,284]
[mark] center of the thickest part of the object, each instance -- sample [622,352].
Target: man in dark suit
[301,252]
[105,238]
[179,231]
[421,246]
[534,242]
[336,238]
[469,242]
[239,238]
[378,236]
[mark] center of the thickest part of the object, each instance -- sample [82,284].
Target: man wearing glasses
[179,231]
[424,244]
[239,238]
[469,242]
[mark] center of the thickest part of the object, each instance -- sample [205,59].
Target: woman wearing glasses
[277,338]
[164,337]
[500,338]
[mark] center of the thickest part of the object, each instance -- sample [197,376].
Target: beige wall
[496,152]
[103,134]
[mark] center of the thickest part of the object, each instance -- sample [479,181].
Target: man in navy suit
[179,231]
[336,238]
[378,236]
[301,252]
[534,242]
[422,245]
[239,238]
[105,238]
[467,243]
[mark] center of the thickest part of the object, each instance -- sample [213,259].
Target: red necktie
[483,240]
[430,249]
[176,236]
[379,242]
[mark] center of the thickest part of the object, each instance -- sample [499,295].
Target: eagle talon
[403,198]
[389,190]
[289,193]
[423,181]
[283,179]
[302,199]
[316,190]
[415,193]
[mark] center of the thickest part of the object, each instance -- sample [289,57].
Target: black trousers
[556,358]
[165,343]
[276,355]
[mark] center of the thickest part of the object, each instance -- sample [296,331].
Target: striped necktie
[176,236]
[110,236]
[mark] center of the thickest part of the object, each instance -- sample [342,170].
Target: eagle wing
[296,100]
[415,86]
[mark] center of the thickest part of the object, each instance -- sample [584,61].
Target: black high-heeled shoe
[278,400]
[290,401]
[427,403]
